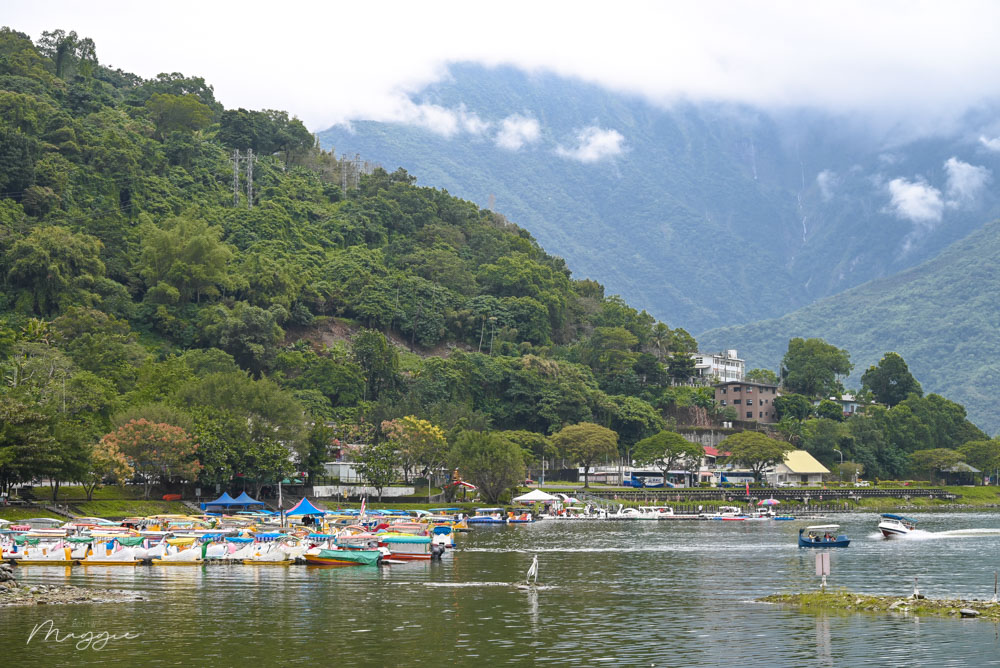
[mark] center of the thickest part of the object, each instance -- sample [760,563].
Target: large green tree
[668,451]
[755,451]
[814,367]
[492,463]
[586,443]
[891,381]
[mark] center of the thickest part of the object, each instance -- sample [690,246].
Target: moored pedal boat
[345,558]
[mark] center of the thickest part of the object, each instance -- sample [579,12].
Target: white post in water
[994,586]
[916,592]
[823,567]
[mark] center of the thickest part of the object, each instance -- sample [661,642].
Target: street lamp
[840,471]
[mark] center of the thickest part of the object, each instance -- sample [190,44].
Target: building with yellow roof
[799,468]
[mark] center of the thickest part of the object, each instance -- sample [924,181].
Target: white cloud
[827,180]
[991,144]
[348,61]
[916,201]
[965,182]
[516,131]
[594,144]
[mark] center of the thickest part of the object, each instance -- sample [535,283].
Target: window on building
[723,390]
[749,389]
[749,415]
[723,402]
[762,414]
[736,388]
[749,402]
[737,401]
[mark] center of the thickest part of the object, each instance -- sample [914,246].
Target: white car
[862,483]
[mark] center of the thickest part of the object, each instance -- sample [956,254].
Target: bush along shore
[11,593]
[845,601]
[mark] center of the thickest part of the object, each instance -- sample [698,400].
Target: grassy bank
[118,509]
[847,602]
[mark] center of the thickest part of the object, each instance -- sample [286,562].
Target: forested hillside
[940,316]
[160,286]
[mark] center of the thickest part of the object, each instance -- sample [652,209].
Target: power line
[236,177]
[250,160]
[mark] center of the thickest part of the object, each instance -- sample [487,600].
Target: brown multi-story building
[752,401]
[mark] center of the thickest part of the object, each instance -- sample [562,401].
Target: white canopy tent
[535,496]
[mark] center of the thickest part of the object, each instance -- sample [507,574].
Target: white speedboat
[894,526]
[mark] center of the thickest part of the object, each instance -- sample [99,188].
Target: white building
[719,367]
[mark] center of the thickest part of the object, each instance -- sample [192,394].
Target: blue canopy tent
[226,502]
[246,501]
[221,503]
[304,507]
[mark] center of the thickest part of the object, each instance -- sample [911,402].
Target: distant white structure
[719,367]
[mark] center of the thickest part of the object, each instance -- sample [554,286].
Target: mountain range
[707,215]
[744,225]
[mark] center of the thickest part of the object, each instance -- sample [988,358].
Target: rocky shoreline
[844,601]
[12,593]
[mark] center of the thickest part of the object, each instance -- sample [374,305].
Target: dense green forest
[195,293]
[147,278]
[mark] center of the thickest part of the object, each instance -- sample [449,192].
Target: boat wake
[921,534]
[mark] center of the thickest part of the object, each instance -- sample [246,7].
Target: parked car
[862,483]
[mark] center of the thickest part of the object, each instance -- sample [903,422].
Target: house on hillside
[752,401]
[848,403]
[799,468]
[723,367]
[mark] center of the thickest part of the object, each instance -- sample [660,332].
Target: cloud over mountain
[517,131]
[594,144]
[916,201]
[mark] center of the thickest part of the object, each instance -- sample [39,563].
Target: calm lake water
[619,593]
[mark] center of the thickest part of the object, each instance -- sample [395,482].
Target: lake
[634,593]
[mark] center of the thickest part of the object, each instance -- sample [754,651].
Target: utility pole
[236,177]
[250,161]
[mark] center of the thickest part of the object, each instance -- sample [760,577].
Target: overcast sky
[328,62]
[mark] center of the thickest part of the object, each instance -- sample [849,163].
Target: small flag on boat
[748,489]
[363,506]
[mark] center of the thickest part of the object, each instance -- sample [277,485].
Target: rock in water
[968,612]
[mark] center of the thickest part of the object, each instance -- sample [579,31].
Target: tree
[792,406]
[249,333]
[422,442]
[156,450]
[680,367]
[933,461]
[177,113]
[376,464]
[106,462]
[27,448]
[379,362]
[489,461]
[891,381]
[668,451]
[586,443]
[983,454]
[183,260]
[54,268]
[535,447]
[812,367]
[830,410]
[754,451]
[822,436]
[765,376]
